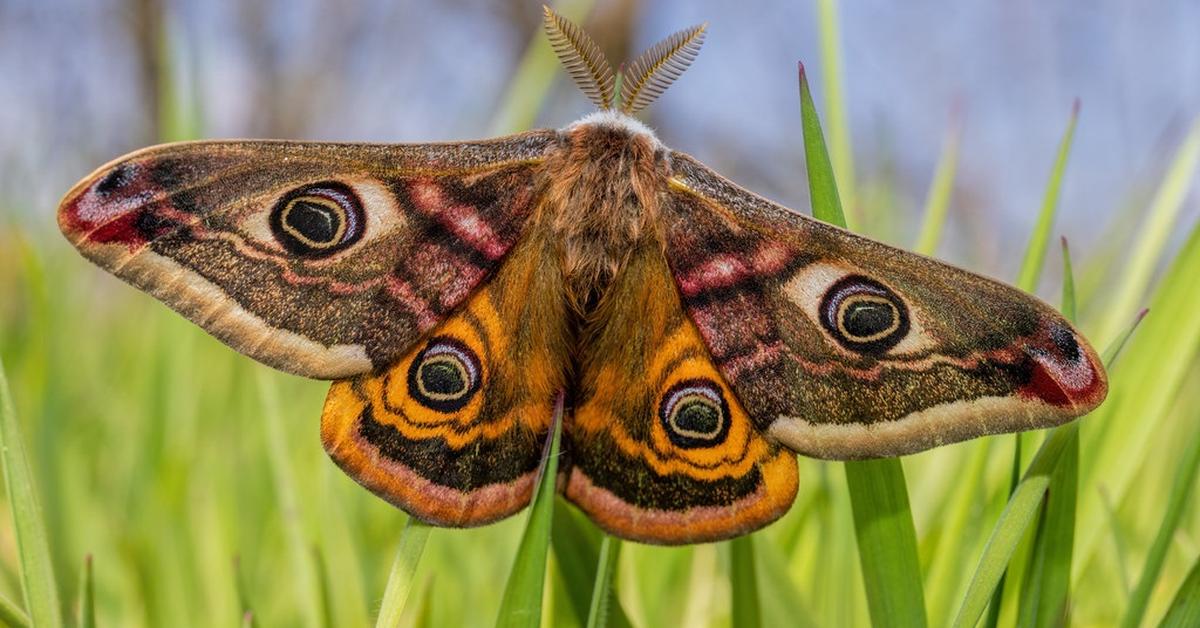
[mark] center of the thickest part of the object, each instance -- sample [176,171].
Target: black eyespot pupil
[866,319]
[442,378]
[698,417]
[115,180]
[314,221]
[1065,341]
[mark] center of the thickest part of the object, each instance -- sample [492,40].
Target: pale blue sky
[419,71]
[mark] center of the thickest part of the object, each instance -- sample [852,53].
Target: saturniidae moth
[702,335]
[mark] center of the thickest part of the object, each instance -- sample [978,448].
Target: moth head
[642,80]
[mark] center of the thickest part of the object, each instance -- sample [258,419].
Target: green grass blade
[576,543]
[840,146]
[37,571]
[887,542]
[780,597]
[743,583]
[11,614]
[1046,590]
[576,546]
[521,606]
[87,599]
[822,187]
[1023,505]
[943,579]
[1181,490]
[1160,221]
[937,200]
[404,569]
[1046,598]
[245,606]
[1184,611]
[1142,392]
[602,594]
[1069,309]
[887,539]
[1027,280]
[535,75]
[1039,241]
[304,570]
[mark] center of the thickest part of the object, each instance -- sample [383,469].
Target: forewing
[842,347]
[324,260]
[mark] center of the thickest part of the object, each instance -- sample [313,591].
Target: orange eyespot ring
[318,220]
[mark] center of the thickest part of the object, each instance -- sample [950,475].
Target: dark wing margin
[842,347]
[323,260]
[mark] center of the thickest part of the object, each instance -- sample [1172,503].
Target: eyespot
[318,220]
[863,315]
[694,414]
[444,375]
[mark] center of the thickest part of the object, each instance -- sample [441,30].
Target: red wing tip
[1064,370]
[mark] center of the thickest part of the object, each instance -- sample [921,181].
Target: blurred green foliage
[195,479]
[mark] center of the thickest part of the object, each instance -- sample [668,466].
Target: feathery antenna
[645,79]
[653,71]
[581,57]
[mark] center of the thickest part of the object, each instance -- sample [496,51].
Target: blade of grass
[602,594]
[841,150]
[1181,490]
[1045,597]
[743,583]
[577,553]
[1023,505]
[37,572]
[1141,395]
[1184,611]
[1027,280]
[521,605]
[1046,591]
[535,74]
[937,201]
[1039,240]
[1161,216]
[887,538]
[304,575]
[943,579]
[822,186]
[887,542]
[778,593]
[12,615]
[576,546]
[403,574]
[243,595]
[87,599]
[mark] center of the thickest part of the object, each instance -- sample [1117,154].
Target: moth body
[604,181]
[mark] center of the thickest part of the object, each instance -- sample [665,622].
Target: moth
[700,335]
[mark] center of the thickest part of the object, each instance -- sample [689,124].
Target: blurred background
[196,478]
[83,81]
